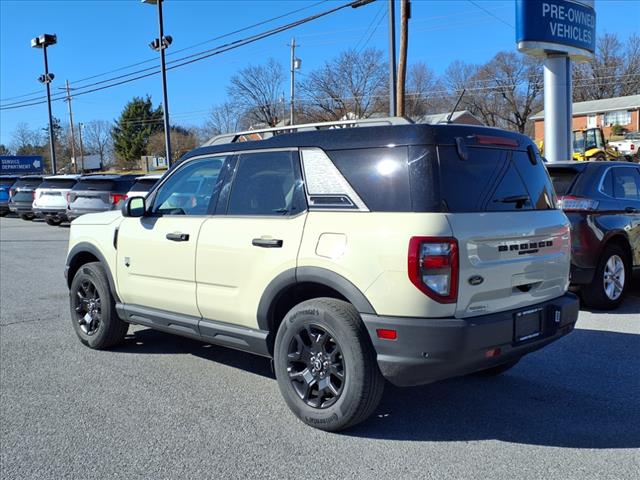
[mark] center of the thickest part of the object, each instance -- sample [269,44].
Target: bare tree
[613,72]
[25,141]
[225,118]
[352,85]
[420,98]
[182,141]
[97,139]
[255,89]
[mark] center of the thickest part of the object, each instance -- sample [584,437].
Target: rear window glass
[492,180]
[101,185]
[58,183]
[380,176]
[144,185]
[29,183]
[563,179]
[7,182]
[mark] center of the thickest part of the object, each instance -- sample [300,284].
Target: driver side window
[189,190]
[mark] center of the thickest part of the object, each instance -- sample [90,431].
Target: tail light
[68,198]
[433,267]
[33,194]
[569,203]
[633,146]
[11,192]
[117,198]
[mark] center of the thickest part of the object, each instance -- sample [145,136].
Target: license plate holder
[527,325]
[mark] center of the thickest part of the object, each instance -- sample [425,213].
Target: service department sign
[547,26]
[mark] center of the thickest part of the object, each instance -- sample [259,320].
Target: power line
[142,62]
[488,12]
[185,60]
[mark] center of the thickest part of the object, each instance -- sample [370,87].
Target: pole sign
[20,164]
[556,26]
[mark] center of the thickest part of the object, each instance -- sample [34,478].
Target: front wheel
[326,366]
[27,216]
[54,222]
[93,309]
[609,285]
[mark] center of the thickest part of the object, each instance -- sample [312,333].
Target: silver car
[98,193]
[50,199]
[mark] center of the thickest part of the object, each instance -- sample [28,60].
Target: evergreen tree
[137,123]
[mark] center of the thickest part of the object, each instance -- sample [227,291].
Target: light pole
[392,59]
[296,63]
[80,125]
[160,44]
[43,41]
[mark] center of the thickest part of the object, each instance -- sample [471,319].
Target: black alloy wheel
[88,307]
[316,366]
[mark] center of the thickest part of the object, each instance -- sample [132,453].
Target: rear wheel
[93,312]
[609,285]
[3,213]
[53,221]
[27,216]
[599,157]
[326,366]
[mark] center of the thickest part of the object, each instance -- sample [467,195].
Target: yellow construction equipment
[589,144]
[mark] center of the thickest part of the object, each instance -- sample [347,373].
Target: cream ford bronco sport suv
[411,253]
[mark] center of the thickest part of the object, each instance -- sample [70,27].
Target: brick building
[623,111]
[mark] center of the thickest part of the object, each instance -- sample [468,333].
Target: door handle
[267,242]
[631,210]
[178,237]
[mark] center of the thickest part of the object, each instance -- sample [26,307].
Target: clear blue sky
[98,36]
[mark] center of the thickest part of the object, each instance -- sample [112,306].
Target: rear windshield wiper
[519,200]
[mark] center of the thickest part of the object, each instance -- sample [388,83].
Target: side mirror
[134,207]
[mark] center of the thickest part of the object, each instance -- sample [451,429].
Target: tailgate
[89,200]
[524,260]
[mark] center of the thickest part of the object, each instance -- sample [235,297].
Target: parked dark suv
[98,193]
[602,201]
[21,196]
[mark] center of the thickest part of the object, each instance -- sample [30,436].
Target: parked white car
[50,198]
[143,185]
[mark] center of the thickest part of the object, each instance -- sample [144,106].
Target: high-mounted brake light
[117,198]
[499,141]
[570,203]
[433,267]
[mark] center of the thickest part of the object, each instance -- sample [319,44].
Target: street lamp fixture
[43,41]
[160,44]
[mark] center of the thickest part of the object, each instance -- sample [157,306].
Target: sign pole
[557,108]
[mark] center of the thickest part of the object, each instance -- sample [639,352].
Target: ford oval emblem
[476,280]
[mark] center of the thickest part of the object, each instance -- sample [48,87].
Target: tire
[598,294]
[27,216]
[497,370]
[54,222]
[4,214]
[600,157]
[104,328]
[334,329]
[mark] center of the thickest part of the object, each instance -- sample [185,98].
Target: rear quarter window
[563,179]
[379,176]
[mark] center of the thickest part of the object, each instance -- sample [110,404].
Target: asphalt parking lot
[164,407]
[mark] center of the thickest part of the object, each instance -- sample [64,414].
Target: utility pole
[392,59]
[80,125]
[292,114]
[405,15]
[73,135]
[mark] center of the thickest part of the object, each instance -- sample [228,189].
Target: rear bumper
[20,208]
[72,214]
[60,213]
[427,350]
